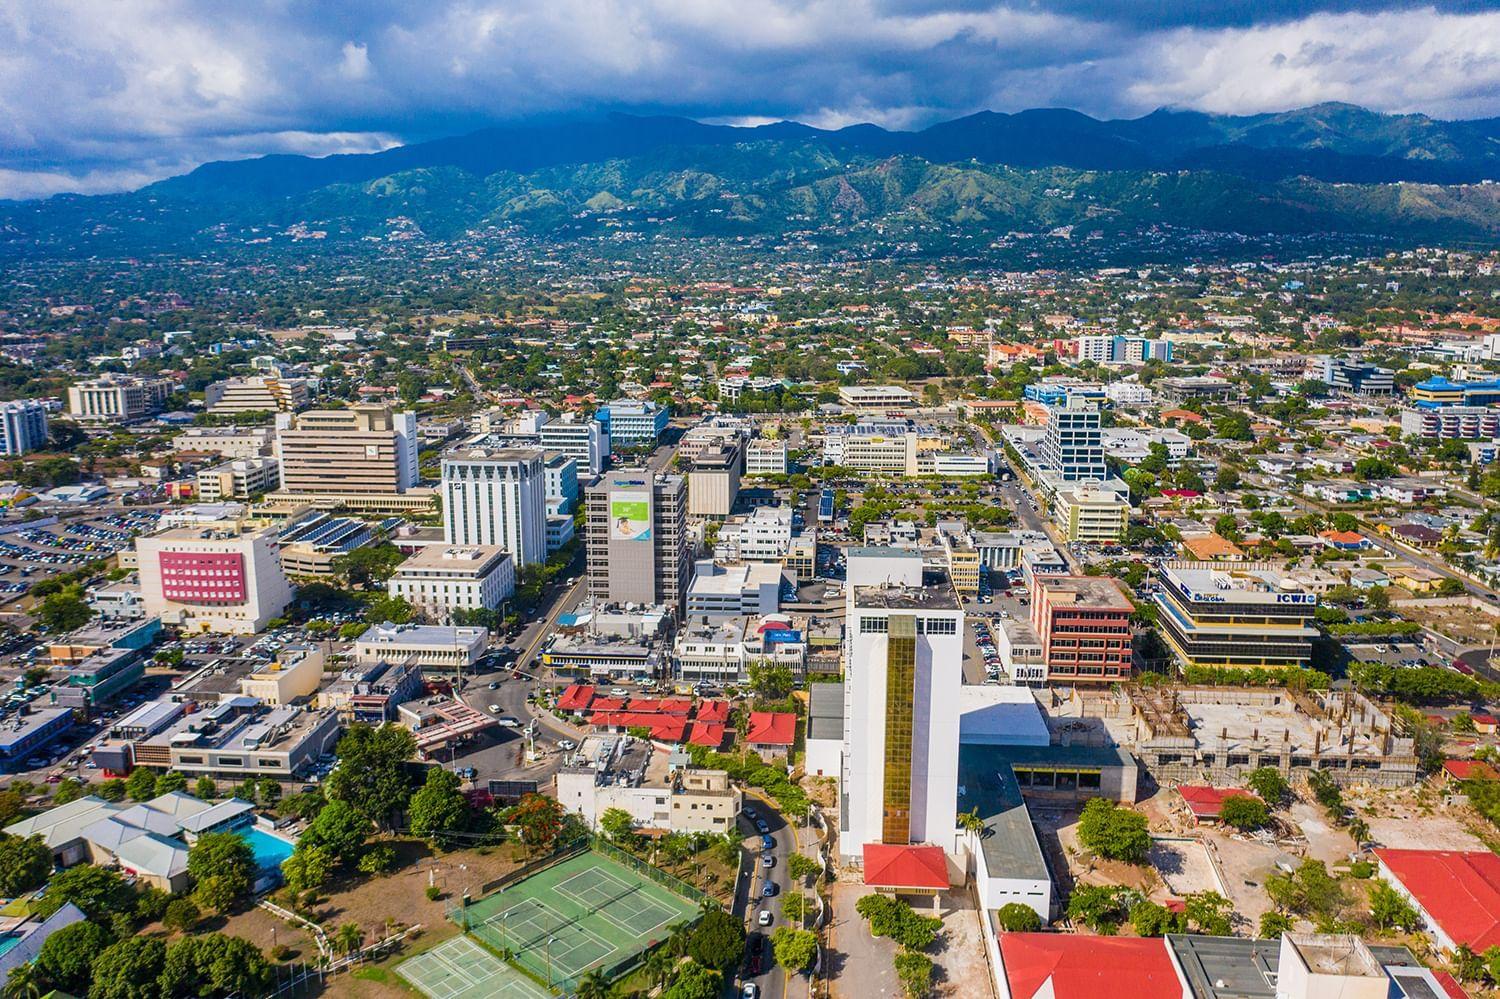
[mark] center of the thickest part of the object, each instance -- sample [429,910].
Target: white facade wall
[497,499]
[935,724]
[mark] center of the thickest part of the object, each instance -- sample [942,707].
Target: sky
[108,95]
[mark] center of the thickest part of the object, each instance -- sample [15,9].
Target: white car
[765,917]
[494,709]
[566,744]
[509,721]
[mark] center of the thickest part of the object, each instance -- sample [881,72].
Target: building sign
[630,517]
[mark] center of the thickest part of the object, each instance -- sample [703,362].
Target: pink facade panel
[203,577]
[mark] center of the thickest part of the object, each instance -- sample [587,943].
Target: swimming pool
[269,849]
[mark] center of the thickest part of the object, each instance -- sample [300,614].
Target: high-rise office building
[1073,445]
[220,578]
[633,423]
[1244,616]
[365,449]
[269,393]
[636,538]
[901,711]
[497,497]
[584,440]
[1084,625]
[23,426]
[115,398]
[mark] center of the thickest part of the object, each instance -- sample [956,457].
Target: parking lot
[33,552]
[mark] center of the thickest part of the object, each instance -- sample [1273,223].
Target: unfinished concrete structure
[1222,733]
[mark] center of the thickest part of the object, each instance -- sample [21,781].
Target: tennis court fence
[668,881]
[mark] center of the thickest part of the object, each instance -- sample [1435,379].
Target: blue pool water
[269,849]
[8,941]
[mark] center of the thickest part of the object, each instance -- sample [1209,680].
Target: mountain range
[1326,168]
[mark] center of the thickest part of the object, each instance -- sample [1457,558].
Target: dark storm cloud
[99,97]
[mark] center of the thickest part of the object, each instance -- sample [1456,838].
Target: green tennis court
[461,969]
[586,912]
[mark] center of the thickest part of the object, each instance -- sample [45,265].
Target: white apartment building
[230,442]
[220,578]
[442,579]
[258,393]
[239,479]
[117,398]
[496,497]
[766,457]
[617,772]
[763,536]
[901,712]
[435,648]
[753,588]
[584,440]
[1091,515]
[23,426]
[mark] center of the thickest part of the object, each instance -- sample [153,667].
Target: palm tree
[1467,965]
[349,938]
[659,967]
[677,939]
[593,985]
[24,982]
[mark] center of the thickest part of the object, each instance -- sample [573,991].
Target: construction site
[1220,734]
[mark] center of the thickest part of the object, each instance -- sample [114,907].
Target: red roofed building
[1456,892]
[709,734]
[1458,770]
[771,733]
[676,706]
[576,698]
[607,704]
[1206,802]
[1075,966]
[906,868]
[713,711]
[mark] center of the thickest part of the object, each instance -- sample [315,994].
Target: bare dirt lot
[1184,866]
[1424,817]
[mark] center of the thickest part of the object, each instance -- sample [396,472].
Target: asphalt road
[748,900]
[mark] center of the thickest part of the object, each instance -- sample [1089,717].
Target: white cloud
[159,85]
[356,62]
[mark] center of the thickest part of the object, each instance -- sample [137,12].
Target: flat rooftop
[458,558]
[825,711]
[935,596]
[1086,591]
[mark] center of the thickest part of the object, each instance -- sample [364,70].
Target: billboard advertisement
[630,516]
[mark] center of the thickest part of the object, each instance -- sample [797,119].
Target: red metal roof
[1086,967]
[1450,985]
[888,866]
[771,728]
[1465,769]
[664,728]
[1459,889]
[608,704]
[713,711]
[576,698]
[676,705]
[1205,802]
[710,734]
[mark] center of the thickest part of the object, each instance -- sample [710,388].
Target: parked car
[764,918]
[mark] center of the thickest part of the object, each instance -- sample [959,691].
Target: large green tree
[794,949]
[718,941]
[439,806]
[214,965]
[372,775]
[1114,832]
[222,866]
[341,829]
[129,969]
[25,863]
[98,891]
[694,981]
[67,956]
